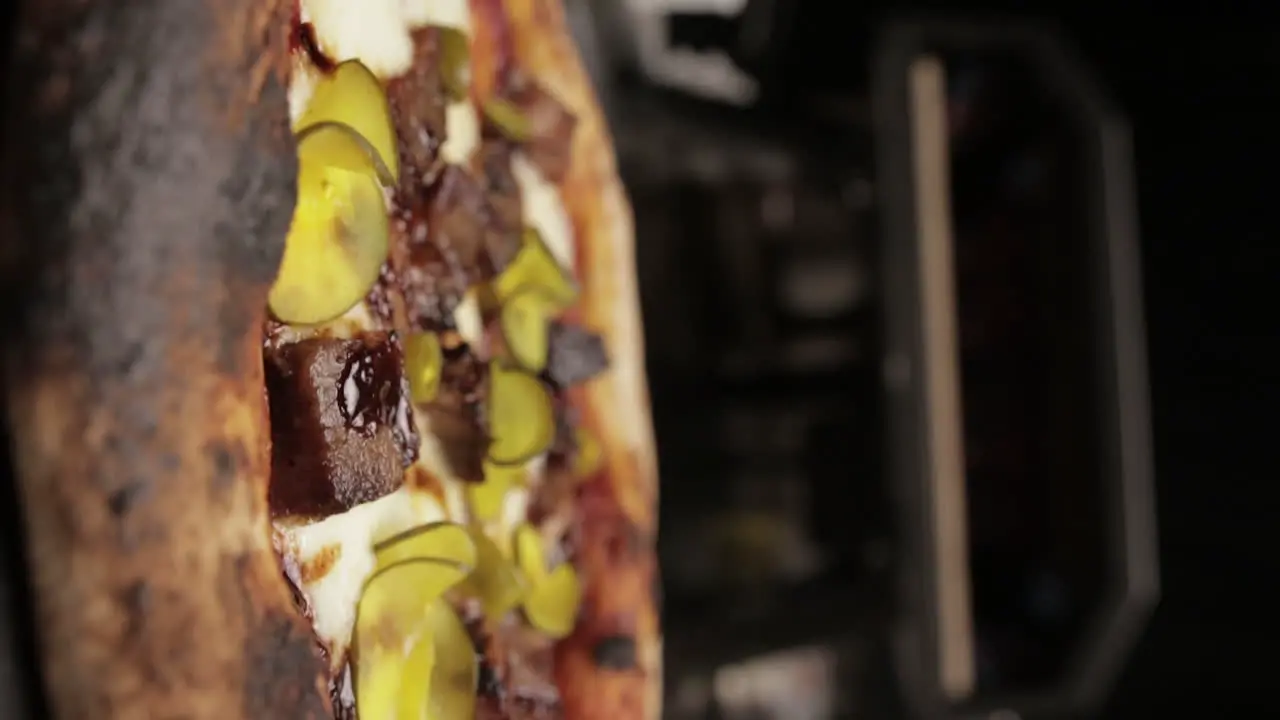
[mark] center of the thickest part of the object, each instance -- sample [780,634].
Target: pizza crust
[617,519]
[150,186]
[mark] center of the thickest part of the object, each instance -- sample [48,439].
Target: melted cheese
[378,33]
[463,136]
[350,537]
[543,209]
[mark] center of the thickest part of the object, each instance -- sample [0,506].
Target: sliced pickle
[590,456]
[423,361]
[353,96]
[338,239]
[534,266]
[434,541]
[455,62]
[521,419]
[509,119]
[487,497]
[524,319]
[552,603]
[417,676]
[391,625]
[496,582]
[552,606]
[453,679]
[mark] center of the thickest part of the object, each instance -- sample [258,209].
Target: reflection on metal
[944,430]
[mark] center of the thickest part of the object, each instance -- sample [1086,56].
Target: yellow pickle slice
[552,602]
[521,416]
[353,96]
[337,241]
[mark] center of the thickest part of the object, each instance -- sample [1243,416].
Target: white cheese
[467,318]
[543,209]
[463,133]
[447,13]
[375,32]
[334,595]
[378,32]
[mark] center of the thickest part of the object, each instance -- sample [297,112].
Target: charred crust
[615,652]
[147,190]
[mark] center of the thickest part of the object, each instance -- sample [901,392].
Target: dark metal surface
[1112,245]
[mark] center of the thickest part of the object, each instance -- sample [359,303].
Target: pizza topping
[340,425]
[456,217]
[457,415]
[554,594]
[352,96]
[488,498]
[546,124]
[535,266]
[575,354]
[525,318]
[508,119]
[417,102]
[589,456]
[615,652]
[455,63]
[413,658]
[503,192]
[521,417]
[337,241]
[496,583]
[437,541]
[423,362]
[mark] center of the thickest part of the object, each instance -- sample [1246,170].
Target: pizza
[389,458]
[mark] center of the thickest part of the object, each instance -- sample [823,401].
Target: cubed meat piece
[574,354]
[341,428]
[457,415]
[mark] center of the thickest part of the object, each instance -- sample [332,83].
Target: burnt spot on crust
[615,652]
[278,649]
[227,459]
[280,658]
[136,600]
[121,501]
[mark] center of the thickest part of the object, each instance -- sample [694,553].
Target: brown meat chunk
[431,285]
[574,354]
[341,429]
[551,126]
[517,679]
[457,415]
[506,213]
[418,102]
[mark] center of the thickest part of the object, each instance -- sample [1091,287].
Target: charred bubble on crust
[574,354]
[457,415]
[615,652]
[418,102]
[342,432]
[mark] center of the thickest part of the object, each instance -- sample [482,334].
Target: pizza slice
[452,452]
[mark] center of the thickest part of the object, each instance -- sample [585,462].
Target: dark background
[1204,100]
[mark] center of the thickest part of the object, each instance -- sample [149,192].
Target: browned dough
[148,190]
